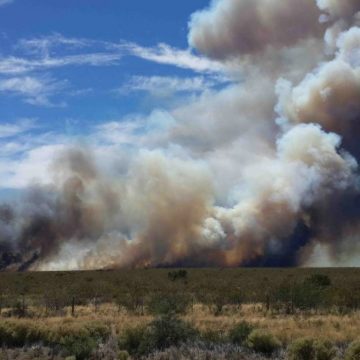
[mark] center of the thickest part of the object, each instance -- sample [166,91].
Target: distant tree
[318,280]
[177,275]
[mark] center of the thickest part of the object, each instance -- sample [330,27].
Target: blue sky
[69,67]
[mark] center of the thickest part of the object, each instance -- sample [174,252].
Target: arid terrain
[181,314]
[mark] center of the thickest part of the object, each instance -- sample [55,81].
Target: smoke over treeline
[263,172]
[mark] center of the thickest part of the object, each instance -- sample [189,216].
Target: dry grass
[338,329]
[335,328]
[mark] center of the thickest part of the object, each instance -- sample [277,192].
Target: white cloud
[43,45]
[118,132]
[166,85]
[34,90]
[165,54]
[52,51]
[9,130]
[17,65]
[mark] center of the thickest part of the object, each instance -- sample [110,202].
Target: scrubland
[181,314]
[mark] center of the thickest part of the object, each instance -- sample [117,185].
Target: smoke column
[261,173]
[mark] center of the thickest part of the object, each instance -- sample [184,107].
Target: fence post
[73,306]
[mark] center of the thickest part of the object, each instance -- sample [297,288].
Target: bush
[240,332]
[302,349]
[132,338]
[160,334]
[218,301]
[171,304]
[324,350]
[318,280]
[309,349]
[165,332]
[79,346]
[263,342]
[20,333]
[123,355]
[177,275]
[353,352]
[213,336]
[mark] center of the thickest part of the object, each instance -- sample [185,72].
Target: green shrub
[133,298]
[20,333]
[98,330]
[324,350]
[353,352]
[263,342]
[78,345]
[240,332]
[132,338]
[123,355]
[170,304]
[302,349]
[310,349]
[164,332]
[211,336]
[318,280]
[177,275]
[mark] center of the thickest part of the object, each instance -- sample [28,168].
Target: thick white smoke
[263,172]
[231,28]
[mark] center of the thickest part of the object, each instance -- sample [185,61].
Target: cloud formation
[34,90]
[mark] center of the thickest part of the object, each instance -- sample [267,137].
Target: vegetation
[353,352]
[310,349]
[240,333]
[156,313]
[263,342]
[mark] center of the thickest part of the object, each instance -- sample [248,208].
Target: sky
[69,69]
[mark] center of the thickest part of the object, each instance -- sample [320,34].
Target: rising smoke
[263,172]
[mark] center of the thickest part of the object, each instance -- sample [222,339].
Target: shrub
[132,338]
[20,333]
[217,302]
[133,298]
[302,349]
[171,304]
[263,342]
[98,330]
[177,275]
[123,355]
[318,280]
[165,332]
[80,346]
[324,350]
[309,349]
[353,352]
[240,332]
[213,336]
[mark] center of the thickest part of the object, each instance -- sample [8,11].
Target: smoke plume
[263,172]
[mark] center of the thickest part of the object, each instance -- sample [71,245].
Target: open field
[84,313]
[252,284]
